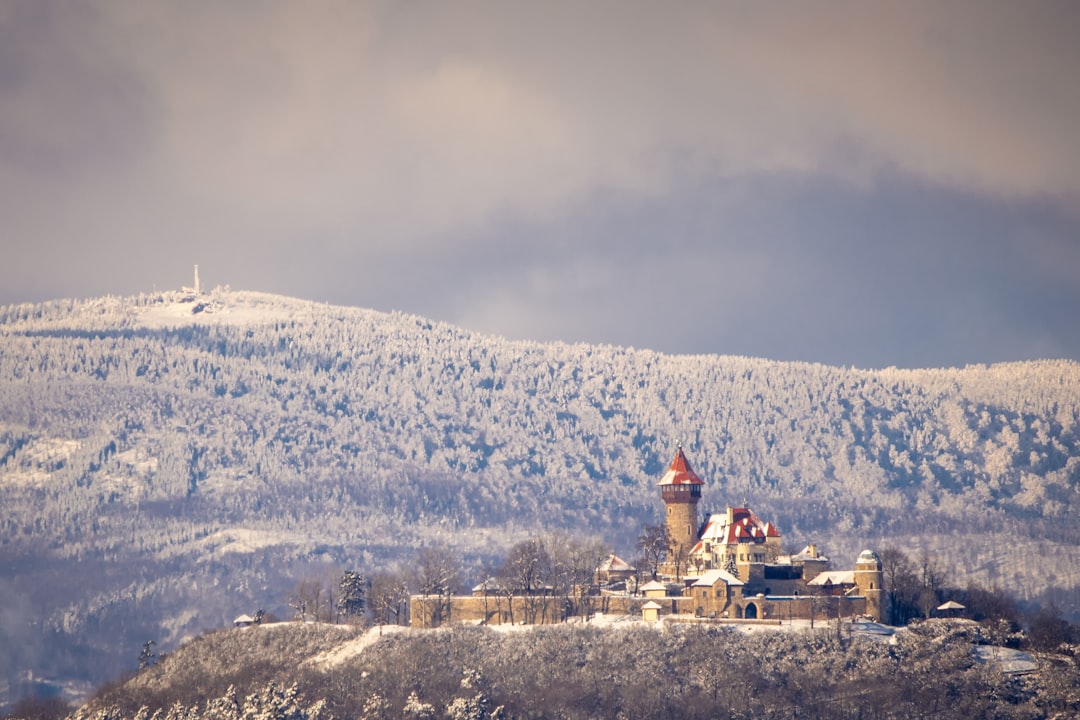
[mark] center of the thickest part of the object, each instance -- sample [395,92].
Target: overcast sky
[854,183]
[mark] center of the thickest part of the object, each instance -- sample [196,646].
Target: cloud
[483,160]
[450,115]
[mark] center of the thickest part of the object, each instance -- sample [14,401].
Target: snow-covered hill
[632,669]
[170,460]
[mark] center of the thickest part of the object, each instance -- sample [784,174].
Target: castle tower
[680,489]
[196,279]
[870,579]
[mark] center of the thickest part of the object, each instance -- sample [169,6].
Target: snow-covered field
[223,308]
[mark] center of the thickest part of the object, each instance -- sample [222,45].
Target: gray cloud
[700,177]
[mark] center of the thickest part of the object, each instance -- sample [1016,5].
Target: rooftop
[680,472]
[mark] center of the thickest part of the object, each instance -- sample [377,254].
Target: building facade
[733,565]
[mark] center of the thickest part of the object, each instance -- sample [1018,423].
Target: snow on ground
[351,648]
[244,540]
[1007,661]
[222,308]
[36,457]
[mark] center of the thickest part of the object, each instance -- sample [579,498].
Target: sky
[865,184]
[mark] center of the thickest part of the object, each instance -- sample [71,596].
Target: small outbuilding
[243,621]
[614,569]
[950,609]
[654,589]
[650,611]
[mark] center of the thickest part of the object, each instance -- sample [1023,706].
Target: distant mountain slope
[169,460]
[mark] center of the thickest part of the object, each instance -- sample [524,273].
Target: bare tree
[582,557]
[388,596]
[525,571]
[653,544]
[312,601]
[931,577]
[901,585]
[437,578]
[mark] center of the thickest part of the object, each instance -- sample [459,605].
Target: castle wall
[803,607]
[718,603]
[433,611]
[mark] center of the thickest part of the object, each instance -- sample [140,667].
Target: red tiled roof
[680,472]
[745,527]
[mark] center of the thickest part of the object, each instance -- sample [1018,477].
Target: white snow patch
[1006,660]
[32,461]
[350,649]
[138,460]
[244,540]
[223,308]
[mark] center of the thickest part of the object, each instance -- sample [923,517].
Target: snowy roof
[680,472]
[652,605]
[834,577]
[951,605]
[744,526]
[614,563]
[489,584]
[713,576]
[868,556]
[243,619]
[653,585]
[810,552]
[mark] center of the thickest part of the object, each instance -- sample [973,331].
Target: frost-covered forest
[309,671]
[170,461]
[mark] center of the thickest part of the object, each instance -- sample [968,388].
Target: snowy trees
[147,655]
[580,671]
[351,600]
[278,435]
[269,703]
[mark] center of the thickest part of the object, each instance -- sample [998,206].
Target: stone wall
[433,611]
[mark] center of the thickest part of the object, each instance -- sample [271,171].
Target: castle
[729,568]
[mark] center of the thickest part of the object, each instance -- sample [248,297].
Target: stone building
[733,566]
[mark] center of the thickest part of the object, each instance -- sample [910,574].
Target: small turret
[870,580]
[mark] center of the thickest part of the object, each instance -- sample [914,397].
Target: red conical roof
[680,472]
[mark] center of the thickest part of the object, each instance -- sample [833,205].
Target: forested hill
[599,670]
[148,443]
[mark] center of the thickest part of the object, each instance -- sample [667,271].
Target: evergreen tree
[352,595]
[147,657]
